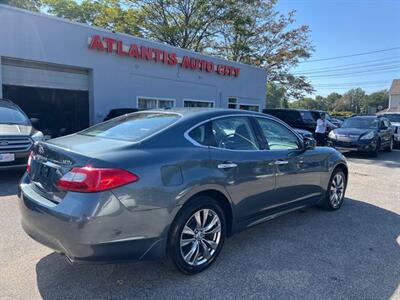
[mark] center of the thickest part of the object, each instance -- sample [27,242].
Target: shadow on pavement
[9,181]
[352,253]
[386,159]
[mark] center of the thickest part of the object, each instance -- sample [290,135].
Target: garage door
[56,97]
[26,73]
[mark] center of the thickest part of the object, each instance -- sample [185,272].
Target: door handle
[281,162]
[227,166]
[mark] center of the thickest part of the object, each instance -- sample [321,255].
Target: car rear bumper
[90,233]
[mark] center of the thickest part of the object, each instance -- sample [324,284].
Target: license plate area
[7,157]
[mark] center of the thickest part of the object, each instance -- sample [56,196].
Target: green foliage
[275,94]
[253,32]
[33,5]
[354,101]
[108,14]
[341,113]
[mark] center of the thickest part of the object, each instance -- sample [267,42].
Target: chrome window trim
[195,143]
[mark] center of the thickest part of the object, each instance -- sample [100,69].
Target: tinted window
[234,133]
[199,134]
[9,115]
[363,123]
[393,117]
[308,117]
[132,127]
[278,136]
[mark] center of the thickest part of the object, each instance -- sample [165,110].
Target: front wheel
[334,195]
[389,148]
[197,235]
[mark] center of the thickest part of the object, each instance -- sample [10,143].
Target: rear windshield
[134,127]
[10,115]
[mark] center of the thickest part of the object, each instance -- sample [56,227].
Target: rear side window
[308,117]
[199,135]
[133,127]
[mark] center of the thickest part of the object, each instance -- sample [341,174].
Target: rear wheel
[197,235]
[334,195]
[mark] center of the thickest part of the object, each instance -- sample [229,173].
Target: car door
[240,166]
[385,132]
[298,172]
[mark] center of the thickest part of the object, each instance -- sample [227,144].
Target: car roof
[187,112]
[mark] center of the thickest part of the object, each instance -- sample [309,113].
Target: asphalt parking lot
[353,253]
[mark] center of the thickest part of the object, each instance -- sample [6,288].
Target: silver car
[172,183]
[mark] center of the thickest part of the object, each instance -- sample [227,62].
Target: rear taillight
[88,179]
[28,166]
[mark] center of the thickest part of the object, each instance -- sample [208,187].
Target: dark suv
[296,118]
[16,136]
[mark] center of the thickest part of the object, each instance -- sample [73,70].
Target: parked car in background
[394,119]
[296,118]
[172,182]
[16,136]
[116,112]
[363,133]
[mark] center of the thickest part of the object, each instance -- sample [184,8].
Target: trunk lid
[54,158]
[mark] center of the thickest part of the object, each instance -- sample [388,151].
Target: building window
[151,103]
[232,103]
[251,107]
[198,103]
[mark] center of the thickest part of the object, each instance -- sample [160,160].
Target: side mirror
[309,143]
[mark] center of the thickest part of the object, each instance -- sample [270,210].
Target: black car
[363,133]
[296,118]
[116,112]
[16,136]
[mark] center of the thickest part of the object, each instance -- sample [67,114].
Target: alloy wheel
[200,237]
[336,192]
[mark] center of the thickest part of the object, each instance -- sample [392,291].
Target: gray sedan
[172,183]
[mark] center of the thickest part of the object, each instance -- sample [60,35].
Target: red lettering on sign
[120,49]
[172,59]
[110,44]
[146,53]
[134,51]
[185,62]
[96,43]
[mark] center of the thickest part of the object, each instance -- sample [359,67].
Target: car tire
[337,186]
[375,152]
[389,148]
[195,241]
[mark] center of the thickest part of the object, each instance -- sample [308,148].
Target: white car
[394,119]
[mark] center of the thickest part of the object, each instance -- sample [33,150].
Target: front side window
[278,136]
[150,103]
[133,127]
[233,133]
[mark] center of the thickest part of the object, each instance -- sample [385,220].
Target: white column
[1,81]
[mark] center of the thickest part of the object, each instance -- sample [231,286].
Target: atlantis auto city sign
[134,51]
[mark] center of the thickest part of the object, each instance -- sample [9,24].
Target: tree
[377,100]
[331,99]
[253,32]
[188,24]
[33,5]
[275,94]
[351,101]
[108,14]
